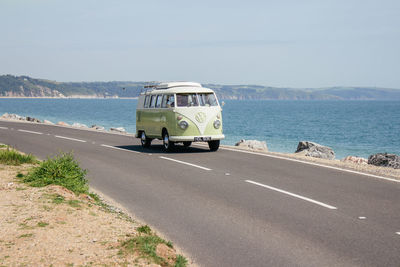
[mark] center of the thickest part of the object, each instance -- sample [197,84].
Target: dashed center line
[118,148]
[187,163]
[293,195]
[4,128]
[26,131]
[69,138]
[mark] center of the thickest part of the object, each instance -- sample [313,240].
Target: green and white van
[179,112]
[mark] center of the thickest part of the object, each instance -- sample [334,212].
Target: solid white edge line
[311,163]
[4,128]
[69,138]
[186,163]
[118,148]
[293,195]
[26,131]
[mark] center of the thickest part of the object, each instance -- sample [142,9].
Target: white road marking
[4,128]
[69,138]
[398,233]
[26,131]
[227,173]
[293,195]
[362,218]
[187,163]
[309,163]
[118,148]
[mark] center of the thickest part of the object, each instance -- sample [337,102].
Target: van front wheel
[213,145]
[144,140]
[167,144]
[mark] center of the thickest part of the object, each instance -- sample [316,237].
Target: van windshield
[207,99]
[186,100]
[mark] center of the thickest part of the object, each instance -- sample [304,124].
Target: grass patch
[20,175]
[62,170]
[20,188]
[42,224]
[12,157]
[146,246]
[180,261]
[145,229]
[74,203]
[25,235]
[58,199]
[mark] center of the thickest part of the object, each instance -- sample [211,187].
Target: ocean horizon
[357,128]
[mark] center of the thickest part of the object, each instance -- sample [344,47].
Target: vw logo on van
[200,117]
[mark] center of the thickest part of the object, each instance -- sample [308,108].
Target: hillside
[24,86]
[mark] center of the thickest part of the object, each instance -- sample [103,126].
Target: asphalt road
[231,208]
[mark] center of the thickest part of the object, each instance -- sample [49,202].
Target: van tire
[187,143]
[144,140]
[213,145]
[168,145]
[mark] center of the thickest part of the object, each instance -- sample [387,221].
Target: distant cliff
[24,86]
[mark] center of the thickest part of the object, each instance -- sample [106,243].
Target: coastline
[57,97]
[366,169]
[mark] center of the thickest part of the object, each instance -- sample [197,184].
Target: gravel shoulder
[51,226]
[363,168]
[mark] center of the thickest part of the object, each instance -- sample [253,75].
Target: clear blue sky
[310,43]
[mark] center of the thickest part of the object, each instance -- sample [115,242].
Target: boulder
[13,117]
[385,159]
[353,159]
[311,149]
[31,119]
[118,130]
[48,122]
[97,127]
[61,123]
[253,144]
[79,125]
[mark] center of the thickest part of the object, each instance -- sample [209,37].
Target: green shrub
[180,261]
[144,229]
[61,170]
[146,246]
[13,157]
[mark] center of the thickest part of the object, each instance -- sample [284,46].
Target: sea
[357,128]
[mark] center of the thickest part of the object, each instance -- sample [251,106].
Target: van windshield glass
[186,100]
[207,99]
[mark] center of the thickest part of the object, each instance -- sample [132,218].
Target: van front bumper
[191,138]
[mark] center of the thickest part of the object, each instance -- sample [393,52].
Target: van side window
[168,101]
[153,101]
[158,102]
[146,101]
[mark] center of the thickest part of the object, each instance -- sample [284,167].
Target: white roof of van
[179,87]
[177,84]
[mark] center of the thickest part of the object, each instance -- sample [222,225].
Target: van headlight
[183,124]
[217,124]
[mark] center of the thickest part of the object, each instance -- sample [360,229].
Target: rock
[97,127]
[385,159]
[61,123]
[13,117]
[31,119]
[118,129]
[356,160]
[48,122]
[79,125]
[253,144]
[311,149]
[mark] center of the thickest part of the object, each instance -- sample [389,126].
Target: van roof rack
[167,85]
[177,84]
